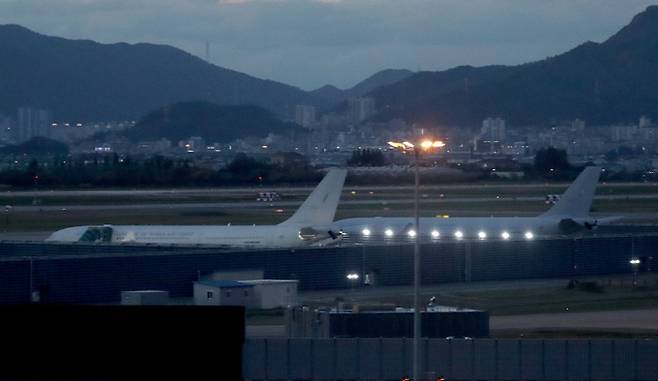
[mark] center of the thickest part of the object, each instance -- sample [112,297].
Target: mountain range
[610,82]
[88,81]
[80,80]
[333,95]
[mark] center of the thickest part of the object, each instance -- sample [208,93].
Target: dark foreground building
[83,342]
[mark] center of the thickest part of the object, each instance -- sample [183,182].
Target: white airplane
[570,214]
[309,225]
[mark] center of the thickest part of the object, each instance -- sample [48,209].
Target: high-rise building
[305,115]
[645,121]
[32,122]
[491,136]
[578,125]
[619,133]
[493,129]
[6,129]
[361,109]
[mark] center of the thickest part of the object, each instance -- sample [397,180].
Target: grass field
[492,200]
[52,219]
[504,191]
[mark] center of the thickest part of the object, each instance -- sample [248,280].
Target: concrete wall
[477,359]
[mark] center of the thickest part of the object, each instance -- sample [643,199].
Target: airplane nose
[72,234]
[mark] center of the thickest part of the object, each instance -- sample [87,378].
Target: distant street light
[352,278]
[7,210]
[425,145]
[635,264]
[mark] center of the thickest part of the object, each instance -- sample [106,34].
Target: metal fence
[98,273]
[477,359]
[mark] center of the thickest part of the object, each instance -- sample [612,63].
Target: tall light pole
[635,264]
[407,147]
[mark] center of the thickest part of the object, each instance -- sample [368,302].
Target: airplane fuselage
[247,236]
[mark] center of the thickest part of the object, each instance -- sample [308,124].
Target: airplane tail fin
[577,199]
[320,206]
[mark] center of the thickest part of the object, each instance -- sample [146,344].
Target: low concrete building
[258,293]
[222,293]
[273,293]
[437,321]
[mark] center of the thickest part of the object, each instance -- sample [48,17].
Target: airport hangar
[97,273]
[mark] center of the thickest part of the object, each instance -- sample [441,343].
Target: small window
[228,293]
[246,293]
[210,295]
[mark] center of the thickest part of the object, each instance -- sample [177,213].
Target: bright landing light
[412,233]
[504,235]
[435,234]
[389,232]
[529,235]
[482,235]
[459,234]
[365,232]
[426,144]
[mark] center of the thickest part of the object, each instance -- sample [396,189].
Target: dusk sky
[309,43]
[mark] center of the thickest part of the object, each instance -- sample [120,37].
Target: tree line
[112,171]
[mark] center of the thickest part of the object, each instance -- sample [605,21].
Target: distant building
[622,133]
[258,293]
[222,293]
[578,125]
[518,148]
[6,129]
[103,148]
[493,129]
[152,147]
[193,144]
[288,159]
[361,109]
[491,136]
[305,115]
[31,122]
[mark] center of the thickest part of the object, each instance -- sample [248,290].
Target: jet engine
[570,226]
[314,235]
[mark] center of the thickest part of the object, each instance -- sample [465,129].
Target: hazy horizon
[311,43]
